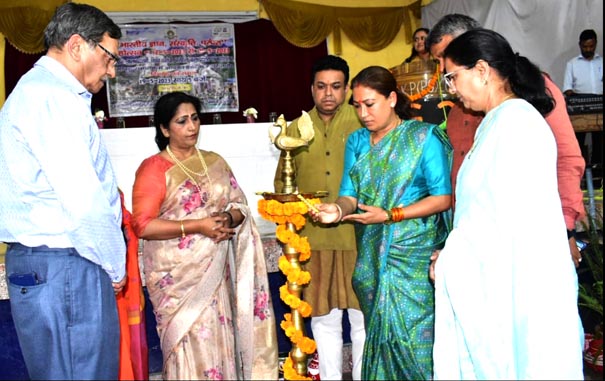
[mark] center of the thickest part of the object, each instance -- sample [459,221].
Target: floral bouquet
[251,114]
[100,118]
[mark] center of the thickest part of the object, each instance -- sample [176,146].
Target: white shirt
[57,185]
[584,76]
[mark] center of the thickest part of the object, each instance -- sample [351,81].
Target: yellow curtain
[22,22]
[308,23]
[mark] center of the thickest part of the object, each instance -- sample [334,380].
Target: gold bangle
[389,219]
[182,229]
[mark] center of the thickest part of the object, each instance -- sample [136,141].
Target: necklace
[483,125]
[190,173]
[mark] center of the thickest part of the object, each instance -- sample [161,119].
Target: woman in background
[419,50]
[203,259]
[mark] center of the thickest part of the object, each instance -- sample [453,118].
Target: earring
[392,104]
[485,82]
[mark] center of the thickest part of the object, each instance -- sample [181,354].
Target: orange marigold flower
[293,275]
[284,265]
[296,337]
[288,209]
[430,86]
[290,373]
[305,309]
[308,345]
[290,331]
[295,302]
[304,277]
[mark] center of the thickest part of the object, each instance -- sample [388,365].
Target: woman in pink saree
[203,259]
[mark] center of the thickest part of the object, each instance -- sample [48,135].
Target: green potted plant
[590,295]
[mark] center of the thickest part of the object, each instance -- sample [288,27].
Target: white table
[246,147]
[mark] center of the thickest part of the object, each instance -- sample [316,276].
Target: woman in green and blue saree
[396,190]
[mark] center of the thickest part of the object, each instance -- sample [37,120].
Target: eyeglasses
[112,57]
[449,78]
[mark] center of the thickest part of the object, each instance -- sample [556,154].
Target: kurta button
[23,290]
[328,173]
[327,153]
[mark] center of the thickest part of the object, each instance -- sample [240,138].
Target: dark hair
[414,51]
[450,25]
[588,34]
[330,63]
[164,111]
[382,81]
[525,78]
[87,21]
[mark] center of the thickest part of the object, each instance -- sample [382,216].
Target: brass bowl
[291,197]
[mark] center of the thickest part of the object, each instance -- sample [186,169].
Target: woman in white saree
[505,289]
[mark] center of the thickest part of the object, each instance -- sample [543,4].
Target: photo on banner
[156,59]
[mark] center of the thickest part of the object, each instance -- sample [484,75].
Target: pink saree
[211,301]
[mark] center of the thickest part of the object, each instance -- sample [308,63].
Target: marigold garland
[429,87]
[282,213]
[294,302]
[295,275]
[300,244]
[306,344]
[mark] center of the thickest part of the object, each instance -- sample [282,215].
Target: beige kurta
[319,168]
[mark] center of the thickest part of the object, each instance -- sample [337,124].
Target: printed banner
[161,58]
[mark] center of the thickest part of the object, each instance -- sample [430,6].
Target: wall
[357,58]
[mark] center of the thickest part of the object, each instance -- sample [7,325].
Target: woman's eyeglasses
[450,77]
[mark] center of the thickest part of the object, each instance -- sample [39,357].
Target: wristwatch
[571,233]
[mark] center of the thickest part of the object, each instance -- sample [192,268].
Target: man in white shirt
[584,73]
[60,210]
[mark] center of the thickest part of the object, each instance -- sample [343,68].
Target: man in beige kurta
[333,253]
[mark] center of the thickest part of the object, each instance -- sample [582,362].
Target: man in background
[584,73]
[60,209]
[462,124]
[319,168]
